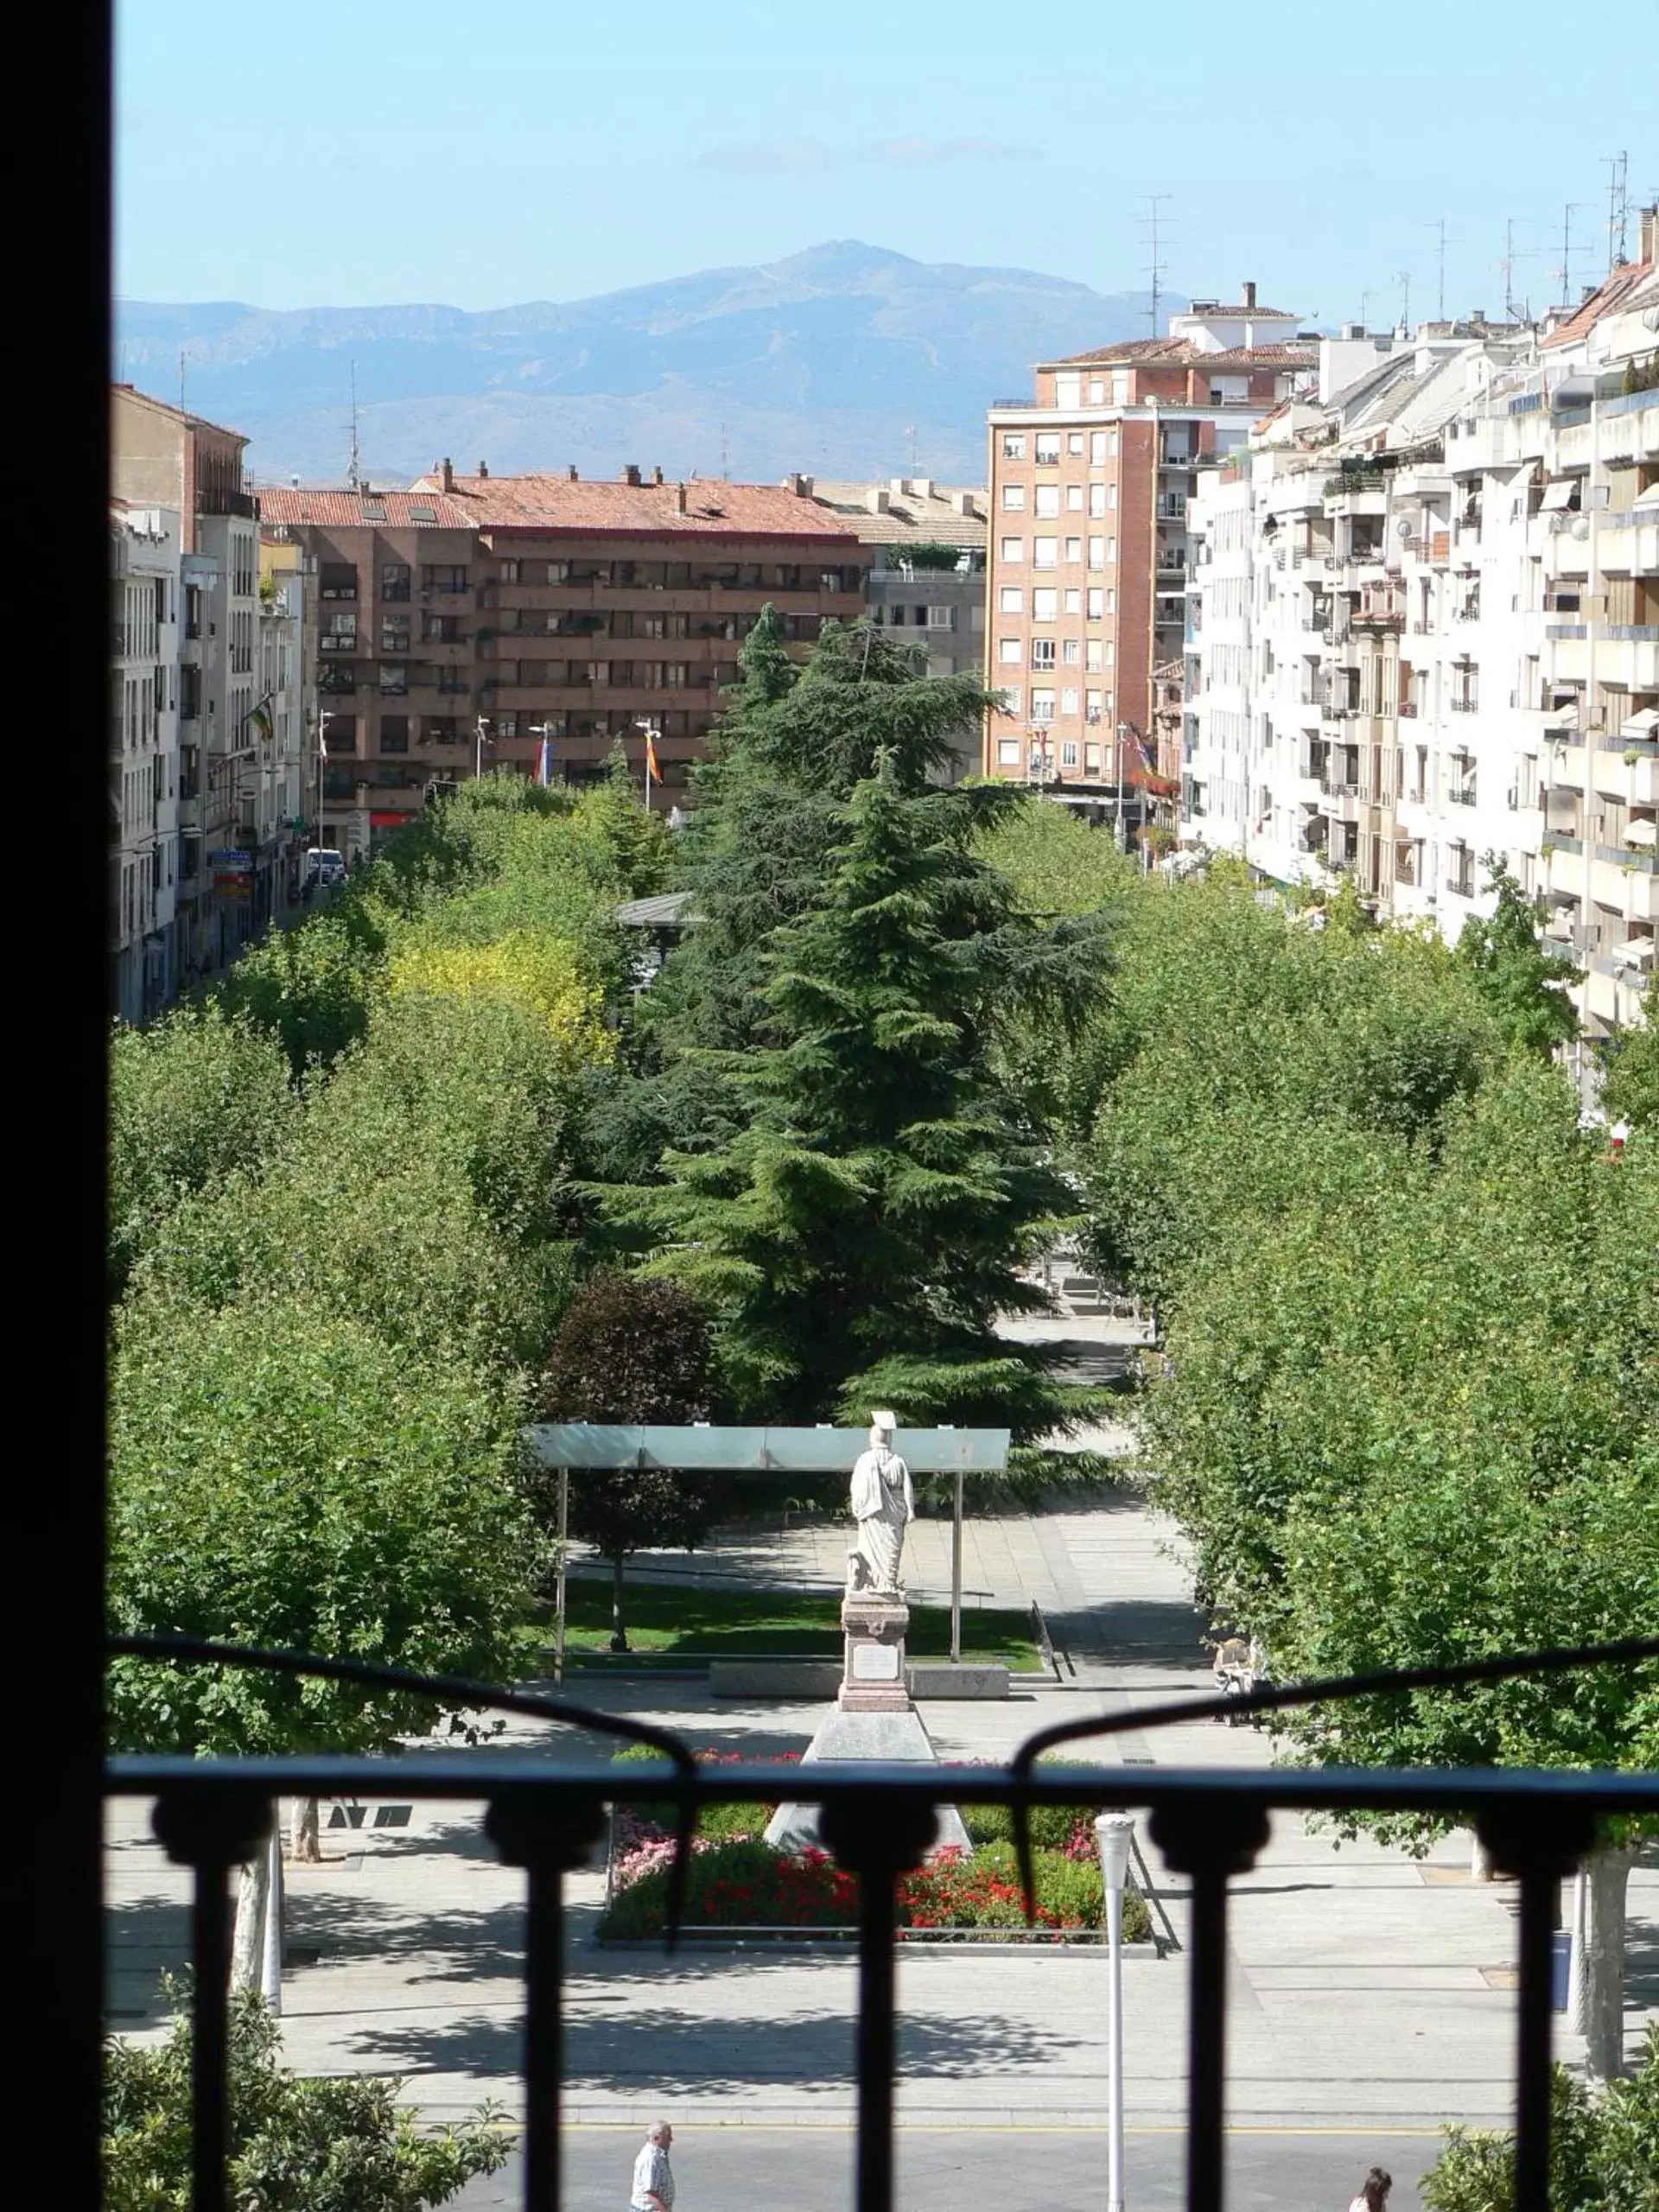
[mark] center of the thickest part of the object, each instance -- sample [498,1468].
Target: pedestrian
[1372,2192]
[653,2177]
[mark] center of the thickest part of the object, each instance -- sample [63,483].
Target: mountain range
[845,360]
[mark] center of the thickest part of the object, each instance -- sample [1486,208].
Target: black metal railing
[879,1822]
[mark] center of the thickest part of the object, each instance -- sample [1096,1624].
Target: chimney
[965,503]
[878,500]
[1250,295]
[898,487]
[1647,233]
[574,478]
[484,470]
[1477,315]
[656,473]
[802,487]
[630,472]
[679,499]
[447,472]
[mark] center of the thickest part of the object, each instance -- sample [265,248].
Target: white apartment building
[1423,626]
[144,754]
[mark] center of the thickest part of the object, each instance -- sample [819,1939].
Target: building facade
[1424,629]
[1087,552]
[144,574]
[469,621]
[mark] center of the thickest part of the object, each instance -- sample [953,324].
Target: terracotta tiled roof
[1607,299]
[713,507]
[1181,352]
[364,509]
[912,517]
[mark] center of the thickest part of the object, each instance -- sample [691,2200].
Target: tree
[858,1237]
[1631,1088]
[1526,987]
[1603,2151]
[338,2145]
[631,1352]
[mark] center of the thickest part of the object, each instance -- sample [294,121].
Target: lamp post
[479,728]
[1113,1832]
[325,715]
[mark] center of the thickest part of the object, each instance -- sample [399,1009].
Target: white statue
[884,1504]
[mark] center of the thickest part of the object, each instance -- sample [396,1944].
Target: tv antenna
[1618,209]
[353,462]
[1441,242]
[1152,224]
[181,380]
[1565,272]
[1403,277]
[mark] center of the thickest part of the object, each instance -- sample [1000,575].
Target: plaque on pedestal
[873,1672]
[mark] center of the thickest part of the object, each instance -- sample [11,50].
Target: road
[960,2169]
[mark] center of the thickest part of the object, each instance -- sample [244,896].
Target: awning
[1645,720]
[1635,951]
[1560,493]
[1641,832]
[1648,498]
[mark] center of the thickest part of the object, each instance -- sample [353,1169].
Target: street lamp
[1114,1832]
[325,715]
[482,724]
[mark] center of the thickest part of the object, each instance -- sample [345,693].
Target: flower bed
[738,1880]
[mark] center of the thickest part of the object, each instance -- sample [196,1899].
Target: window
[508,623]
[1044,552]
[337,580]
[1048,448]
[508,725]
[1073,551]
[1096,603]
[394,634]
[443,575]
[1091,759]
[1048,501]
[1096,499]
[1013,445]
[340,634]
[1010,600]
[1045,604]
[509,572]
[1111,552]
[1096,552]
[1097,393]
[394,733]
[1097,447]
[1042,653]
[1068,753]
[394,680]
[675,674]
[1096,652]
[1069,706]
[835,579]
[1013,497]
[1073,600]
[1091,706]
[1072,653]
[1120,387]
[1042,706]
[941,618]
[1007,752]
[1074,499]
[1074,443]
[1068,387]
[1011,549]
[1007,653]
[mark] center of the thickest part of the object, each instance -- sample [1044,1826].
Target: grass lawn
[669,1622]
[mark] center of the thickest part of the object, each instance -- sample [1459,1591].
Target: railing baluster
[878,1839]
[210,1831]
[547,1836]
[1211,1841]
[1540,1848]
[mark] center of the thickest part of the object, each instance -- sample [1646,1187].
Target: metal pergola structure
[568,1447]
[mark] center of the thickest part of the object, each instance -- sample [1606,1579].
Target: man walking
[653,2177]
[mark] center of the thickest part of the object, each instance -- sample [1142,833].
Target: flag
[652,769]
[322,742]
[262,723]
[544,762]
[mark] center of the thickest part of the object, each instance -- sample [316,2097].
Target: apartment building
[144,556]
[227,873]
[1087,554]
[469,620]
[1424,627]
[926,581]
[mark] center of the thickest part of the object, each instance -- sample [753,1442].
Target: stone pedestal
[873,1718]
[873,1670]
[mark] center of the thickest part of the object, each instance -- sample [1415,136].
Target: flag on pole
[262,723]
[544,762]
[322,741]
[653,773]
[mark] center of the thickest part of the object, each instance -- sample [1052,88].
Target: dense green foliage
[338,2144]
[1603,2151]
[1524,984]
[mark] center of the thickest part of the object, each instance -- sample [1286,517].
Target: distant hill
[844,361]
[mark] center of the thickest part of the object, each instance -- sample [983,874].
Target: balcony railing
[879,1822]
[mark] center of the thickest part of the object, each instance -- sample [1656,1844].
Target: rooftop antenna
[1618,208]
[1565,272]
[181,380]
[1516,310]
[1439,228]
[354,463]
[1152,224]
[1404,276]
[1365,299]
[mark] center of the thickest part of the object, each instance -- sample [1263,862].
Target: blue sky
[371,151]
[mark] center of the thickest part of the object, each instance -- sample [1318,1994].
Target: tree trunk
[1595,1997]
[618,1629]
[247,1941]
[1480,1861]
[307,1831]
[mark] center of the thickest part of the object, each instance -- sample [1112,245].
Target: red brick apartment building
[550,606]
[1086,566]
